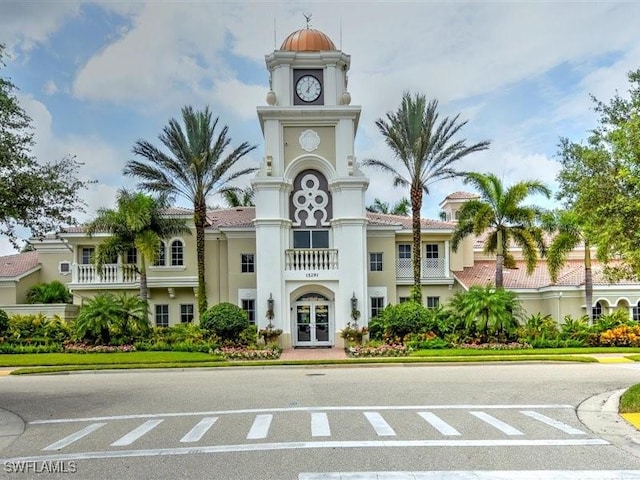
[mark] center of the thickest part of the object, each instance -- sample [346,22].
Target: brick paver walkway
[313,354]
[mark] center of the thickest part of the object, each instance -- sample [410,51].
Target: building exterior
[309,247]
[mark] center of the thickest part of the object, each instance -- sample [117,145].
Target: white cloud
[24,24]
[50,88]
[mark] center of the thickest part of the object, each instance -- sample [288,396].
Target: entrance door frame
[312,303]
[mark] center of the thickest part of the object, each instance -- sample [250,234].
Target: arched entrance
[312,321]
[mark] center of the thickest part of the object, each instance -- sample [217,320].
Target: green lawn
[635,358]
[468,352]
[118,358]
[630,401]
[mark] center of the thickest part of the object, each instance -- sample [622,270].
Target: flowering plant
[384,350]
[88,348]
[242,353]
[270,334]
[353,333]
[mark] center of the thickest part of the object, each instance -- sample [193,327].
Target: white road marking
[136,433]
[480,475]
[74,437]
[252,447]
[199,430]
[300,409]
[436,422]
[494,422]
[320,425]
[553,423]
[382,428]
[260,427]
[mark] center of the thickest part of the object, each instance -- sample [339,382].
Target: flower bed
[495,346]
[386,350]
[243,353]
[88,348]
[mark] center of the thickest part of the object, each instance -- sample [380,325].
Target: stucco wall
[236,247]
[8,292]
[326,148]
[387,246]
[24,285]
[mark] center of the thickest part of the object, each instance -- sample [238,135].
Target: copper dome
[307,40]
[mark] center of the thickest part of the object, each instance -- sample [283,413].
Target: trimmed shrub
[404,318]
[225,320]
[376,328]
[4,323]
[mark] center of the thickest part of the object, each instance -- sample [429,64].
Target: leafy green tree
[4,323]
[428,149]
[500,213]
[600,181]
[401,207]
[52,292]
[137,222]
[197,164]
[40,197]
[568,233]
[488,311]
[239,198]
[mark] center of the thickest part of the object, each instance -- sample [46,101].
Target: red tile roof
[572,274]
[461,196]
[405,222]
[12,266]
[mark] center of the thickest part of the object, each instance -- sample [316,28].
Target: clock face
[308,88]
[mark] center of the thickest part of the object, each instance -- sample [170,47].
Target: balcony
[432,268]
[311,259]
[112,273]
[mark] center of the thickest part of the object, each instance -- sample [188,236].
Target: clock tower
[309,194]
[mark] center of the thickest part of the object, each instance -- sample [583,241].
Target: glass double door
[312,324]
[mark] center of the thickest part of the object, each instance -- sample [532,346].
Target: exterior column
[447,266]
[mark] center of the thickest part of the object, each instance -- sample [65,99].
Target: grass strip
[269,363]
[469,352]
[635,358]
[116,358]
[630,400]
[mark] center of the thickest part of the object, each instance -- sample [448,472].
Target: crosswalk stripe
[494,422]
[260,427]
[436,422]
[136,433]
[199,430]
[553,423]
[74,437]
[320,425]
[382,428]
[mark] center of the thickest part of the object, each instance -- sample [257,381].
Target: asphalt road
[312,423]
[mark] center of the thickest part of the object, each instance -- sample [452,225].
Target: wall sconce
[269,165]
[270,302]
[354,302]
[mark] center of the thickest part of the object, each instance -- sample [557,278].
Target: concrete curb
[600,414]
[11,427]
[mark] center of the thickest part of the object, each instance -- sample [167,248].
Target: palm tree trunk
[144,289]
[416,206]
[588,281]
[200,216]
[499,261]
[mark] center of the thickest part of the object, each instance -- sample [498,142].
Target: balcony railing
[110,273]
[311,259]
[431,268]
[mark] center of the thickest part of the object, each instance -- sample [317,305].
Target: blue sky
[97,76]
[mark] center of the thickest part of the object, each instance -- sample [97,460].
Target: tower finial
[307,18]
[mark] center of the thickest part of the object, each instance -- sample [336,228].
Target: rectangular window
[186,313]
[433,302]
[64,267]
[247,263]
[431,250]
[403,299]
[249,306]
[377,305]
[161,255]
[636,314]
[86,255]
[375,262]
[132,256]
[162,315]
[404,251]
[311,239]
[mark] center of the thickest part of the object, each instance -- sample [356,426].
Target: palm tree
[239,198]
[401,207]
[427,149]
[196,166]
[568,233]
[500,212]
[138,222]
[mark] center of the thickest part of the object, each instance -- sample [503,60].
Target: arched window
[597,310]
[635,314]
[161,256]
[177,253]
